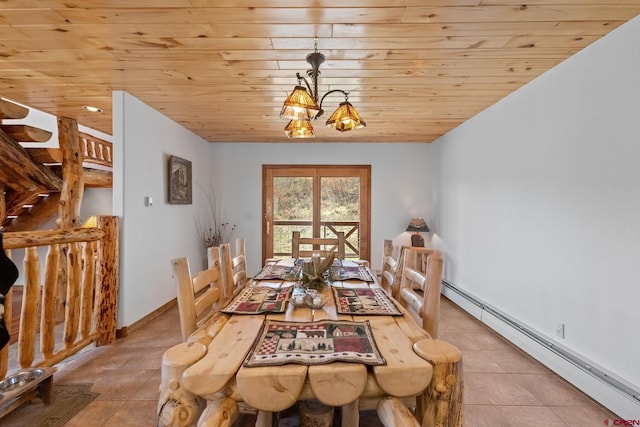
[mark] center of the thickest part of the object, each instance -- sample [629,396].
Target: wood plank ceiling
[222,68]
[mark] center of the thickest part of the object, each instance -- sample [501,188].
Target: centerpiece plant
[316,274]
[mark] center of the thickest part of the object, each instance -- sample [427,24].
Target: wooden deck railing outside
[81,270]
[284,228]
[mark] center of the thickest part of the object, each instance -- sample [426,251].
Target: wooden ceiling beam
[36,215]
[26,133]
[11,110]
[21,172]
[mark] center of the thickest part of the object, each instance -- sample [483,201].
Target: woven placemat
[365,301]
[259,299]
[314,343]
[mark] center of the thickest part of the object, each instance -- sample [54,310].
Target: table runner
[364,301]
[314,343]
[259,299]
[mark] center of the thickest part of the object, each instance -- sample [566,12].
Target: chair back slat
[204,278]
[389,266]
[234,267]
[336,244]
[207,300]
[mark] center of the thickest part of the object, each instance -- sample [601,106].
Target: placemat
[277,271]
[348,273]
[259,299]
[314,343]
[364,301]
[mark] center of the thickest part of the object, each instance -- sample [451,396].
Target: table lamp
[417,225]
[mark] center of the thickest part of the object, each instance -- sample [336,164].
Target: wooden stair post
[70,197]
[108,279]
[73,182]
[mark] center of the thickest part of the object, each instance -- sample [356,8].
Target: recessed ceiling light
[91,109]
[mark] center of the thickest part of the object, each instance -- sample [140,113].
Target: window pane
[292,209]
[292,198]
[340,210]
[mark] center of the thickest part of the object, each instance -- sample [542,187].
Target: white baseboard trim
[619,398]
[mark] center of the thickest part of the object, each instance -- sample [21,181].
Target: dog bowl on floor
[20,379]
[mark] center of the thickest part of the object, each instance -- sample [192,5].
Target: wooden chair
[389,266]
[199,295]
[421,291]
[336,244]
[234,270]
[239,262]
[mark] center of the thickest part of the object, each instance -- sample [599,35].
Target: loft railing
[76,294]
[283,230]
[96,150]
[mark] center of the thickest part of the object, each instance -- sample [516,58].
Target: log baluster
[72,308]
[48,319]
[87,291]
[28,316]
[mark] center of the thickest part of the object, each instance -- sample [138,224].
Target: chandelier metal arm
[306,82]
[346,96]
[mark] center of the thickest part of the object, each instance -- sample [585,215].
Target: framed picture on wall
[179,181]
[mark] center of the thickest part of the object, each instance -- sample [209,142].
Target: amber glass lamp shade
[346,118]
[299,129]
[299,105]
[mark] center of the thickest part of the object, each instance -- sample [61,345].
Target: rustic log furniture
[234,269]
[420,291]
[389,266]
[337,244]
[199,295]
[221,346]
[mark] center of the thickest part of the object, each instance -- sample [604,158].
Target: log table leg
[178,407]
[220,412]
[351,414]
[394,413]
[441,403]
[264,419]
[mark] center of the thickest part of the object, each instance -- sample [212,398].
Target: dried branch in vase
[213,227]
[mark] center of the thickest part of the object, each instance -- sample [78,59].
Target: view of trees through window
[293,210]
[319,204]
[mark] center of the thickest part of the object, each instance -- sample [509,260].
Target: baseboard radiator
[613,393]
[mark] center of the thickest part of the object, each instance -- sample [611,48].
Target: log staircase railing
[81,270]
[35,181]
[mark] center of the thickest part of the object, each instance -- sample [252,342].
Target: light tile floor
[503,385]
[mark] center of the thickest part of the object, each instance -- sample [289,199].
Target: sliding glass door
[319,201]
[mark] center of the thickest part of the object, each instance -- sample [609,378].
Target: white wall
[539,201]
[152,236]
[401,181]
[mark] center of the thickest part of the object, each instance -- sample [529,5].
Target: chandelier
[301,106]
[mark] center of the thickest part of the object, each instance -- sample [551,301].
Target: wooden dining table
[219,374]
